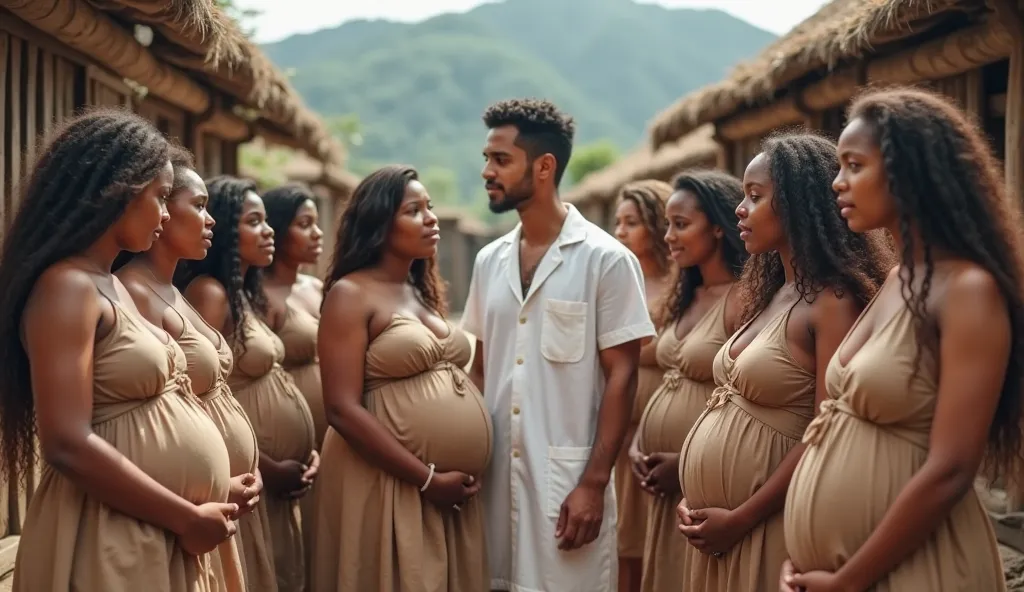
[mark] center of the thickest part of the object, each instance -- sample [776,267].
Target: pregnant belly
[728,455]
[439,421]
[173,441]
[235,429]
[279,415]
[673,409]
[841,489]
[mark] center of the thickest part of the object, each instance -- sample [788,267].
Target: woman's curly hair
[827,255]
[87,173]
[223,262]
[282,204]
[718,194]
[366,226]
[947,186]
[649,196]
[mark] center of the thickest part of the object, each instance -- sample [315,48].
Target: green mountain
[418,90]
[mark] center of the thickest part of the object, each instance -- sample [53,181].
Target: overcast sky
[281,18]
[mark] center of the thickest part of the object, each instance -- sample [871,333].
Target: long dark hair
[93,165]
[282,203]
[946,184]
[222,262]
[649,197]
[827,255]
[182,161]
[366,226]
[718,195]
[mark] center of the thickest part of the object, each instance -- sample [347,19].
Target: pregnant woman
[132,493]
[396,508]
[700,314]
[928,382]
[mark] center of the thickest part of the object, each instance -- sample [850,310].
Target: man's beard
[511,198]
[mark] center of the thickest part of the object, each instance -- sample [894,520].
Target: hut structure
[969,50]
[595,194]
[184,65]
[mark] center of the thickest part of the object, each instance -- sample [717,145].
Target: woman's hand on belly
[451,489]
[245,492]
[283,478]
[662,474]
[210,526]
[712,530]
[636,461]
[812,581]
[308,477]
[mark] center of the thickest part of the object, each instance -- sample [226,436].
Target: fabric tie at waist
[672,379]
[459,379]
[830,411]
[178,385]
[216,390]
[782,420]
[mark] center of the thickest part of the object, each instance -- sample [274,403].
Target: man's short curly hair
[543,129]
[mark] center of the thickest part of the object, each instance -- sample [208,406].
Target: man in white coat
[559,312]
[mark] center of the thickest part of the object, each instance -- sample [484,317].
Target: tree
[242,16]
[347,128]
[442,184]
[591,158]
[265,164]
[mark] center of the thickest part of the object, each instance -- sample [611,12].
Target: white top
[544,386]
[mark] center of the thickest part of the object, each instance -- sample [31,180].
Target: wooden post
[1010,18]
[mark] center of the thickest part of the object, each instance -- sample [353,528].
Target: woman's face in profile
[414,231]
[255,236]
[144,216]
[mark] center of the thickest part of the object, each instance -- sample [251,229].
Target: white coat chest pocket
[563,331]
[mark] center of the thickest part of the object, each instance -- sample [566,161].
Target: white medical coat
[543,387]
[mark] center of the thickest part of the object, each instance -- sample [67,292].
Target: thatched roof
[190,36]
[695,149]
[841,30]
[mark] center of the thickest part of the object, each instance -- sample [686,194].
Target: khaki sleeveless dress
[284,431]
[675,406]
[375,532]
[208,367]
[632,501]
[870,438]
[756,415]
[298,334]
[144,407]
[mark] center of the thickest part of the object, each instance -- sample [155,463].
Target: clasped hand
[710,530]
[813,581]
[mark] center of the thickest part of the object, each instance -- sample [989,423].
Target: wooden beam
[79,25]
[1011,21]
[225,126]
[953,54]
[758,121]
[832,91]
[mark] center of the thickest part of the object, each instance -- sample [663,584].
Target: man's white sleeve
[473,312]
[622,314]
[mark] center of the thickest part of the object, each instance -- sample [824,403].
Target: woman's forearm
[770,498]
[104,474]
[369,438]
